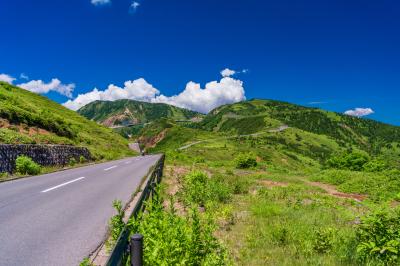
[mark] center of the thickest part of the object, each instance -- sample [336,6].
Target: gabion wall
[45,155]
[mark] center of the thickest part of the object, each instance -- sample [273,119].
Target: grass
[28,118]
[273,214]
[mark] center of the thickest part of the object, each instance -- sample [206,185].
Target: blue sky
[336,54]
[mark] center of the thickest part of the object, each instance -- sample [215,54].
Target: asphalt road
[60,218]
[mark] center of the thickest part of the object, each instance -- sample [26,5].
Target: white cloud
[6,78]
[134,6]
[135,90]
[23,76]
[38,86]
[100,2]
[359,112]
[228,72]
[193,97]
[317,103]
[215,94]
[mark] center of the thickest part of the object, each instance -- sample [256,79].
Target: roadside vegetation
[26,166]
[321,192]
[28,118]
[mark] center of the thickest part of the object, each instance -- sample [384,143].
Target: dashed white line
[63,184]
[127,162]
[112,167]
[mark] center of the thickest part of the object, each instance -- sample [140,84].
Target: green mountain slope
[312,133]
[255,115]
[130,112]
[26,117]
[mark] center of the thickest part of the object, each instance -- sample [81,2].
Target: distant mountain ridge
[285,129]
[254,115]
[130,112]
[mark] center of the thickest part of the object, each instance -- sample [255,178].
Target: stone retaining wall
[45,155]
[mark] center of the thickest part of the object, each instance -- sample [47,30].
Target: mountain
[290,130]
[283,180]
[255,115]
[129,112]
[26,117]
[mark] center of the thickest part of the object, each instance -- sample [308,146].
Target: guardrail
[121,250]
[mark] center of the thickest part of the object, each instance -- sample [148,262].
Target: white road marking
[127,162]
[63,184]
[112,167]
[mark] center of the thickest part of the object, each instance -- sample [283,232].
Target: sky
[339,55]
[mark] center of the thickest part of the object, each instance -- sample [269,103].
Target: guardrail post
[137,250]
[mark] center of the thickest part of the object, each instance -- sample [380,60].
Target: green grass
[380,187]
[36,119]
[274,215]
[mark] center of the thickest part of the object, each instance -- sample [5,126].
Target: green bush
[72,161]
[198,188]
[375,166]
[378,238]
[82,159]
[351,161]
[245,160]
[26,166]
[324,240]
[116,223]
[170,239]
[195,188]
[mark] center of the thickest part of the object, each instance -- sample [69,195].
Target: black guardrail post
[137,250]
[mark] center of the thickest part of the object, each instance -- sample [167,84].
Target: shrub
[375,166]
[26,166]
[352,161]
[82,159]
[199,189]
[378,237]
[116,223]
[170,239]
[195,188]
[324,240]
[72,161]
[245,160]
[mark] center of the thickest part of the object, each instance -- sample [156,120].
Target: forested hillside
[130,112]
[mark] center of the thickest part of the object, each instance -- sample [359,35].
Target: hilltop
[26,117]
[130,112]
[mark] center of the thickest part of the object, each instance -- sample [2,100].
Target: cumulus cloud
[7,78]
[138,89]
[38,86]
[228,72]
[215,94]
[100,2]
[193,97]
[359,112]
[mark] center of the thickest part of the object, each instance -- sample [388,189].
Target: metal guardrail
[121,250]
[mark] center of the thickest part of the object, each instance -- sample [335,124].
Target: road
[275,130]
[60,218]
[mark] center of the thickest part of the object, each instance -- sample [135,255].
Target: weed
[26,166]
[245,160]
